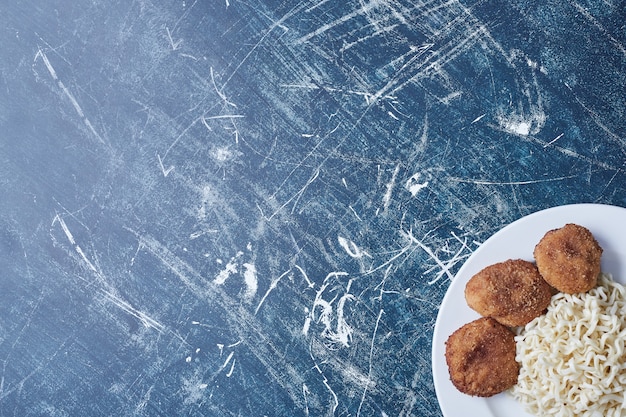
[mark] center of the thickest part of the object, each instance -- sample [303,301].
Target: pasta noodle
[572,359]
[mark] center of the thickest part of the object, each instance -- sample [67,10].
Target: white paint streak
[364,9]
[305,394]
[107,290]
[72,241]
[522,124]
[325,313]
[366,95]
[355,213]
[305,276]
[553,140]
[351,248]
[173,45]
[523,182]
[232,368]
[518,127]
[273,285]
[389,188]
[231,268]
[66,230]
[251,281]
[146,320]
[249,275]
[221,116]
[67,93]
[228,359]
[479,118]
[46,62]
[414,186]
[164,171]
[328,387]
[445,267]
[72,99]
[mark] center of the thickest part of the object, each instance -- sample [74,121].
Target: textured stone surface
[255,208]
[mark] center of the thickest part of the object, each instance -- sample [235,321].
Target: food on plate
[513,292]
[572,358]
[569,258]
[481,358]
[570,347]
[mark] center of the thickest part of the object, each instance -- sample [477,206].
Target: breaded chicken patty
[481,358]
[513,292]
[569,258]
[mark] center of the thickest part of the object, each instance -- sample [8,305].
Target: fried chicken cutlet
[481,358]
[513,292]
[569,258]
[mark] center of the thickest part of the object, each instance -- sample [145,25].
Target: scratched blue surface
[255,208]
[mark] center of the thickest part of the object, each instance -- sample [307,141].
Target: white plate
[517,241]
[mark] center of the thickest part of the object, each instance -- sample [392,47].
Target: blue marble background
[254,208]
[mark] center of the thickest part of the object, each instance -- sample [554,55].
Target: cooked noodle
[573,357]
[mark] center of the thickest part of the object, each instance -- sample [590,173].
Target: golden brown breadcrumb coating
[481,358]
[513,292]
[569,258]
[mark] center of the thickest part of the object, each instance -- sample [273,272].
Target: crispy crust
[481,358]
[569,258]
[513,292]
